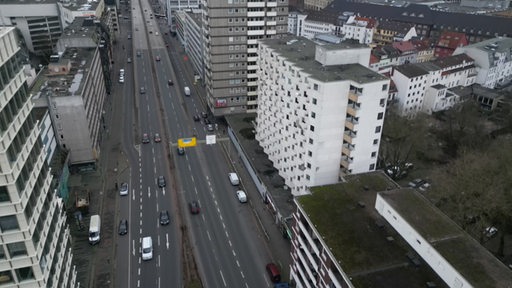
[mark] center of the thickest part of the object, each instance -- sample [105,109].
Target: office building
[35,248]
[320,110]
[231,32]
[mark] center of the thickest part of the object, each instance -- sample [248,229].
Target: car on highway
[181,151]
[139,53]
[123,227]
[123,191]
[121,79]
[129,60]
[164,217]
[194,207]
[207,121]
[209,127]
[242,197]
[142,90]
[161,181]
[169,82]
[145,138]
[204,114]
[157,138]
[197,118]
[156,33]
[157,58]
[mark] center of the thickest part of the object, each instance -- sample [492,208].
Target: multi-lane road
[224,236]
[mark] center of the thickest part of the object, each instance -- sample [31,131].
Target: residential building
[69,10]
[369,232]
[425,50]
[311,28]
[296,22]
[408,52]
[448,42]
[426,86]
[388,32]
[38,22]
[360,29]
[493,59]
[383,58]
[35,247]
[173,6]
[320,110]
[189,32]
[231,32]
[74,91]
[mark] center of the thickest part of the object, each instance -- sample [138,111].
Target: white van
[187,91]
[233,178]
[94,229]
[147,248]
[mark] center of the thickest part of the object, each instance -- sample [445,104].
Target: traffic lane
[239,220]
[211,242]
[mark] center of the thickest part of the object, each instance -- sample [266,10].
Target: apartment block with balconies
[35,248]
[320,111]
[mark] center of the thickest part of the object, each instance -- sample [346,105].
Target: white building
[311,27]
[493,59]
[295,22]
[425,86]
[359,28]
[320,111]
[369,232]
[189,32]
[35,247]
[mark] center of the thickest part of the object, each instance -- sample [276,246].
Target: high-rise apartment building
[231,31]
[35,248]
[320,110]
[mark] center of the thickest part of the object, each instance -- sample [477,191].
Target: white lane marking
[208,233]
[158,278]
[149,192]
[140,230]
[133,247]
[223,280]
[163,191]
[158,238]
[133,197]
[167,240]
[243,276]
[140,222]
[157,206]
[238,264]
[138,283]
[138,271]
[230,244]
[158,261]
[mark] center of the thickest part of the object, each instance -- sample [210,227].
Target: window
[4,194]
[372,167]
[314,101]
[380,115]
[377,129]
[2,255]
[375,141]
[310,153]
[25,273]
[313,114]
[310,141]
[17,249]
[9,223]
[308,165]
[312,128]
[315,87]
[374,154]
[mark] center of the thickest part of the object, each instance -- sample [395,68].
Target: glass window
[377,129]
[4,194]
[25,273]
[5,277]
[9,223]
[2,255]
[17,249]
[380,115]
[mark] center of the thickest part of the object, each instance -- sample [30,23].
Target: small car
[142,90]
[169,82]
[197,118]
[416,183]
[207,121]
[123,191]
[204,115]
[123,227]
[489,232]
[181,151]
[145,138]
[161,181]
[139,53]
[157,138]
[129,60]
[242,197]
[209,127]
[164,217]
[194,207]
[156,33]
[157,58]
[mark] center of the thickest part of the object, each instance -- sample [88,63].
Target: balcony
[256,14]
[346,161]
[255,32]
[346,149]
[350,123]
[353,95]
[271,23]
[272,4]
[271,14]
[255,23]
[255,4]
[348,136]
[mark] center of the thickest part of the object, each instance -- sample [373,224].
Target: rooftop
[369,251]
[464,253]
[417,69]
[301,52]
[411,70]
[500,44]
[80,5]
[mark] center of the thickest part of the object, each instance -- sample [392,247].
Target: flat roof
[367,248]
[464,253]
[301,52]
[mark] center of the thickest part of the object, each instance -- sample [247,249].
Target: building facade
[35,247]
[493,59]
[231,32]
[189,32]
[426,86]
[320,110]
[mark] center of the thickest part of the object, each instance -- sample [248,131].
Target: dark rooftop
[411,70]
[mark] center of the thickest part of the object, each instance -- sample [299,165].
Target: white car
[241,196]
[121,79]
[124,189]
[490,231]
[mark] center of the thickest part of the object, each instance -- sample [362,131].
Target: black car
[169,82]
[181,151]
[145,138]
[161,181]
[164,217]
[123,227]
[194,207]
[196,118]
[207,121]
[142,90]
[204,115]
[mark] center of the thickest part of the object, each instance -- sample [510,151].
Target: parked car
[207,121]
[157,138]
[209,127]
[142,90]
[157,58]
[194,207]
[204,115]
[169,82]
[161,181]
[490,232]
[181,151]
[145,138]
[196,118]
[123,191]
[164,217]
[123,227]
[416,183]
